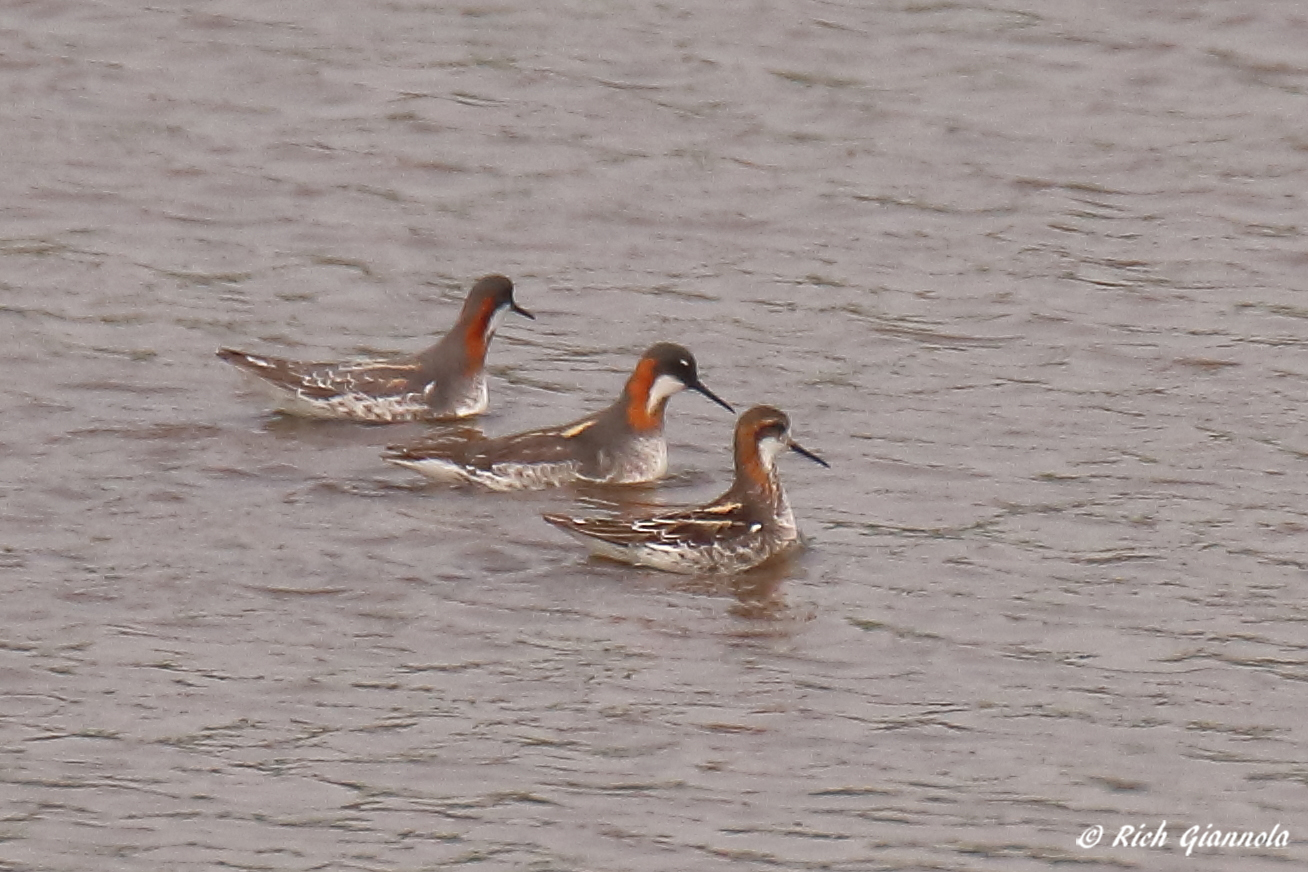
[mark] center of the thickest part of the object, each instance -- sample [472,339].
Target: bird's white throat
[664,386]
[496,320]
[768,448]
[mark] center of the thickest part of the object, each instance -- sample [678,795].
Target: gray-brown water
[1031,277]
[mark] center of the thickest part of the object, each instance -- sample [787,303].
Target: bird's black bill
[699,386]
[800,449]
[521,311]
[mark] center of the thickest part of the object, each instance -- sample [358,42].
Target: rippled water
[1031,278]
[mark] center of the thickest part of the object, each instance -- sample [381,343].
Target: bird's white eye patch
[664,386]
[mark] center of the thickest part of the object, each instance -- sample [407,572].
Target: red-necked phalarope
[623,444]
[446,381]
[747,525]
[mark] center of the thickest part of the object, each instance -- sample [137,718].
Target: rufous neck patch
[476,337]
[640,417]
[750,462]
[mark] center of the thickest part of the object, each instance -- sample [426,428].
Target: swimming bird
[742,528]
[446,381]
[623,444]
